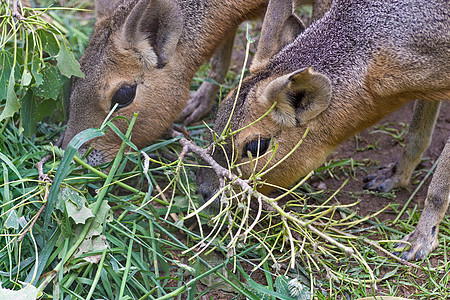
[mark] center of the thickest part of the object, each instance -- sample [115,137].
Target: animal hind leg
[424,239]
[398,174]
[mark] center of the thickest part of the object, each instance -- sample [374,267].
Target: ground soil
[387,150]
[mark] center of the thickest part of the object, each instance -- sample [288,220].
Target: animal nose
[204,182]
[206,196]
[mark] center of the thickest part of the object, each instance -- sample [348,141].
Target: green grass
[148,253]
[121,231]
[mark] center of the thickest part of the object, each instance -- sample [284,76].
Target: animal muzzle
[208,185]
[95,157]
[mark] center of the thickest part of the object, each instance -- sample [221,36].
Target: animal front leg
[398,174]
[201,102]
[424,238]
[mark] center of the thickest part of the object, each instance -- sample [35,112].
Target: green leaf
[27,293]
[52,83]
[75,206]
[121,135]
[26,78]
[281,284]
[48,41]
[6,62]
[12,104]
[103,214]
[10,165]
[12,221]
[84,136]
[36,69]
[34,110]
[94,240]
[67,64]
[63,168]
[383,298]
[264,291]
[292,288]
[44,255]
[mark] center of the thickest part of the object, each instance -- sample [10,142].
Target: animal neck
[207,25]
[353,112]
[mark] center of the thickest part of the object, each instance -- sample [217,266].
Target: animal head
[283,105]
[130,61]
[279,109]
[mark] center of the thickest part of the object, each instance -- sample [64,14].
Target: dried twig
[40,164]
[377,246]
[244,184]
[16,14]
[36,217]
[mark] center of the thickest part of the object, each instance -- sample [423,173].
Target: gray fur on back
[354,29]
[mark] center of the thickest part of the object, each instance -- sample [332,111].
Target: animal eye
[256,147]
[124,96]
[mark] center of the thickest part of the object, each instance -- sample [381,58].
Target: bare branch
[203,154]
[16,14]
[36,217]
[40,164]
[376,245]
[244,184]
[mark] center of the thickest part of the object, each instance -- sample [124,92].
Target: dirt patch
[374,148]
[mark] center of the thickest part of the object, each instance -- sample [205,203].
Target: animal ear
[104,8]
[280,27]
[154,24]
[300,96]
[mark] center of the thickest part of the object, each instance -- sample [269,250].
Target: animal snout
[95,156]
[207,182]
[203,184]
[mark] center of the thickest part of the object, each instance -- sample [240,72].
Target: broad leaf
[51,85]
[75,206]
[26,78]
[94,240]
[12,103]
[48,42]
[6,62]
[12,221]
[34,110]
[27,293]
[67,64]
[71,149]
[36,70]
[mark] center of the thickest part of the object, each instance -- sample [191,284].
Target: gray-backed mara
[361,61]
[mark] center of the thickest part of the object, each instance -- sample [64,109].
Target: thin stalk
[97,275]
[154,254]
[416,190]
[96,206]
[127,265]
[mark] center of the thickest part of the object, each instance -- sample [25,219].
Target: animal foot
[423,242]
[199,104]
[384,180]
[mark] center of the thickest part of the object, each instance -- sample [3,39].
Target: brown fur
[375,56]
[157,45]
